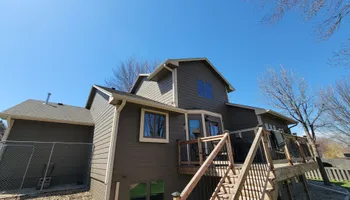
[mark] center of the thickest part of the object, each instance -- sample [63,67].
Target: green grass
[140,189]
[343,184]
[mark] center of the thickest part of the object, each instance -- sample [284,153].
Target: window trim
[142,126]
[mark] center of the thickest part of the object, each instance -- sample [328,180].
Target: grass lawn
[139,190]
[343,184]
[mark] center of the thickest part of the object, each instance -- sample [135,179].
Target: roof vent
[48,98]
[60,104]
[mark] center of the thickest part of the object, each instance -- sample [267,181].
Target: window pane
[214,128]
[160,126]
[208,91]
[138,191]
[157,190]
[194,126]
[201,88]
[148,125]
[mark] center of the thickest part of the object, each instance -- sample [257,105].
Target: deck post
[301,152]
[200,151]
[289,190]
[303,180]
[229,150]
[288,156]
[176,195]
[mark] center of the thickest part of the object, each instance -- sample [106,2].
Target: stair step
[257,188]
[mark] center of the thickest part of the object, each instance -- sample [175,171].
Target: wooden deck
[283,170]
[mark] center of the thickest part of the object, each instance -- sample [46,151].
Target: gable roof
[137,82]
[260,111]
[132,98]
[175,63]
[52,112]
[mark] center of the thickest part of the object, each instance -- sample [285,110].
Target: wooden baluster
[200,151]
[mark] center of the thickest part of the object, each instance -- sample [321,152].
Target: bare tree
[330,13]
[2,129]
[126,72]
[337,112]
[289,93]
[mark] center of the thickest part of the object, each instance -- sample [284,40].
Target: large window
[154,126]
[194,127]
[214,128]
[204,89]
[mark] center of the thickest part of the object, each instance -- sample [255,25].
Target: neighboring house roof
[52,112]
[137,82]
[175,63]
[116,95]
[259,111]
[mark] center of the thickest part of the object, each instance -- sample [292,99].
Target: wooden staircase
[255,180]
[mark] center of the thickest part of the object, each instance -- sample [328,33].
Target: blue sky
[64,47]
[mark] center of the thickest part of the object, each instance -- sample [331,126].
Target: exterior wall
[272,120]
[161,91]
[102,113]
[240,118]
[188,75]
[25,130]
[69,164]
[138,162]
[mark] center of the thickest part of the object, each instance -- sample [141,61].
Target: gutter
[112,147]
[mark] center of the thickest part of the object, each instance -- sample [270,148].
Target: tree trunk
[317,157]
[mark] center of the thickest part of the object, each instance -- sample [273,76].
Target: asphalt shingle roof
[36,109]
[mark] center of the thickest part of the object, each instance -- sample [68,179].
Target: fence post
[47,167]
[25,173]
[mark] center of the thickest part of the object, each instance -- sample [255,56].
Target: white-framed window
[154,126]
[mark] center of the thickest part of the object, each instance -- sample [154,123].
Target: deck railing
[257,171]
[211,161]
[212,158]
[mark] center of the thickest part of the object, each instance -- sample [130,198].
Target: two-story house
[136,133]
[181,100]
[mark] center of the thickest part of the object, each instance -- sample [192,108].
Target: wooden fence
[333,173]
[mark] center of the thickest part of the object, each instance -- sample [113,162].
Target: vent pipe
[48,98]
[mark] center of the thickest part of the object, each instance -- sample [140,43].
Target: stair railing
[222,148]
[256,176]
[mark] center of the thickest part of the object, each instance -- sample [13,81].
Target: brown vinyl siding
[240,118]
[161,91]
[70,162]
[137,162]
[25,130]
[102,113]
[188,73]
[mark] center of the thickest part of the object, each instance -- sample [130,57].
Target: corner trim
[112,148]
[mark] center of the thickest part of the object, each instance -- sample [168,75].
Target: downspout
[294,125]
[112,147]
[174,78]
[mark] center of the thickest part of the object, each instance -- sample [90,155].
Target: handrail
[201,171]
[247,163]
